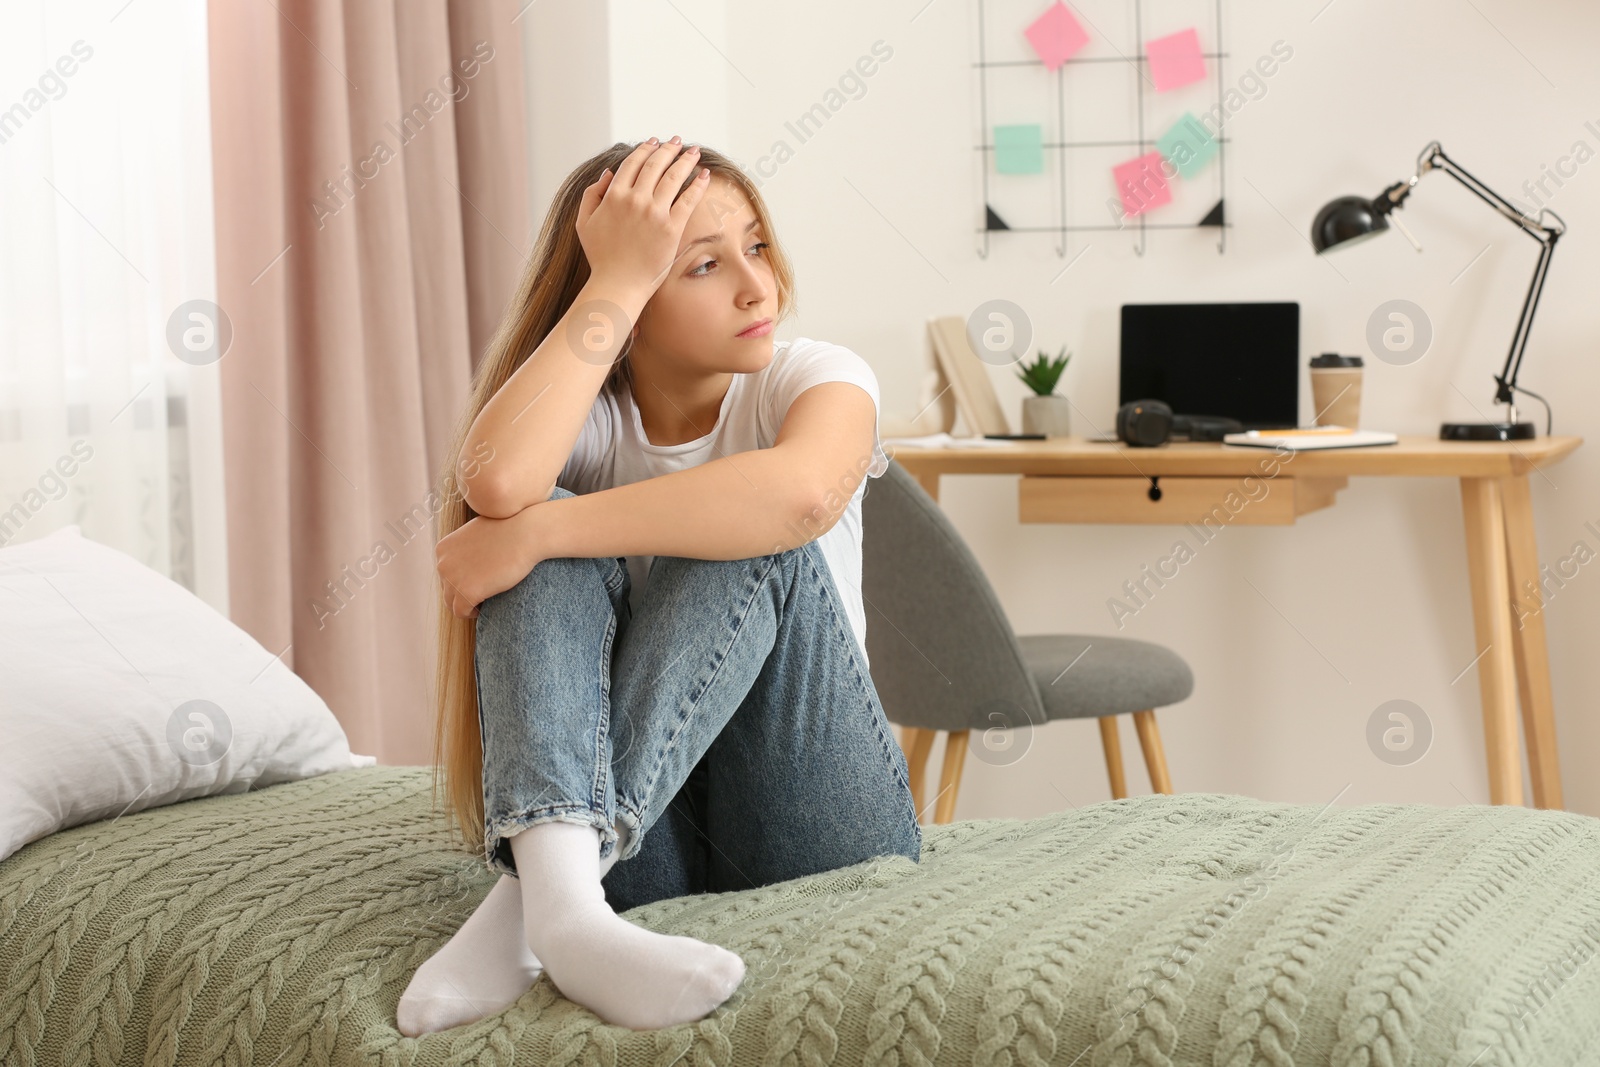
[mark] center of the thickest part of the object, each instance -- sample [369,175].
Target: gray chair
[944,657]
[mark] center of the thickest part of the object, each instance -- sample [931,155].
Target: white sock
[627,975]
[483,969]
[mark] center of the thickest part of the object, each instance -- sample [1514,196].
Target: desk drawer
[1216,502]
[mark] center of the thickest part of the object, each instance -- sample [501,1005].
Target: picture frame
[960,368]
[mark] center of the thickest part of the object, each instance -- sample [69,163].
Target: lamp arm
[1507,378]
[1433,158]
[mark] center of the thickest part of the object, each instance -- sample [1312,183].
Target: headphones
[1147,423]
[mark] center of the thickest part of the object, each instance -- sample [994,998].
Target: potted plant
[1045,412]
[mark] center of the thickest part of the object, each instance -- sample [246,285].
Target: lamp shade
[1345,220]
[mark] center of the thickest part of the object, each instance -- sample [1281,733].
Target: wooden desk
[1074,480]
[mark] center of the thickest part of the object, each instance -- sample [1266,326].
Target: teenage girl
[653,675]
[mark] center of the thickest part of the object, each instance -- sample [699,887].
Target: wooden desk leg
[1528,644]
[1488,573]
[930,484]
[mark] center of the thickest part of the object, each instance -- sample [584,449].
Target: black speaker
[1144,423]
[1147,423]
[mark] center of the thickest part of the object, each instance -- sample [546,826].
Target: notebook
[1311,437]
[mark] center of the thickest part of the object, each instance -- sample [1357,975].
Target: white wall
[603,71]
[1350,607]
[568,63]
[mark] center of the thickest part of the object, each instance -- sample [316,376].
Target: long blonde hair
[555,273]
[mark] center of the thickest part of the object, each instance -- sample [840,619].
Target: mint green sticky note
[1189,145]
[1018,149]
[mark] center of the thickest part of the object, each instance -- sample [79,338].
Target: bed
[280,926]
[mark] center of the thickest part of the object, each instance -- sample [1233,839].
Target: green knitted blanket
[280,927]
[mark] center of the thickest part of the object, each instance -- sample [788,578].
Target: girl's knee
[560,577]
[687,564]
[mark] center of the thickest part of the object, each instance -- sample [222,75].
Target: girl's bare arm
[747,504]
[629,224]
[531,423]
[730,508]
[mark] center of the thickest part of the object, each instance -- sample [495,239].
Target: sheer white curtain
[106,268]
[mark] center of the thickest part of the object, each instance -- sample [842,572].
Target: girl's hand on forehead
[630,222]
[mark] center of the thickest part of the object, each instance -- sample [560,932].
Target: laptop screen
[1238,360]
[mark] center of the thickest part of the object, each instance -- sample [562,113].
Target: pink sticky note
[1056,35]
[1141,184]
[1175,60]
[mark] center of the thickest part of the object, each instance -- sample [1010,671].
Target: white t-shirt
[612,450]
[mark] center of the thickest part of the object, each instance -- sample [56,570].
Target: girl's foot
[480,971]
[627,975]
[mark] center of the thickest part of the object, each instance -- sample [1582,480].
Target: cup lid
[1333,359]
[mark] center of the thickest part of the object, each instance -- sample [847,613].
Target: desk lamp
[1349,219]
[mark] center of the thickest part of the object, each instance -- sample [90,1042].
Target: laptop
[1237,360]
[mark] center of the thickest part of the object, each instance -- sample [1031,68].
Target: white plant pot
[1049,415]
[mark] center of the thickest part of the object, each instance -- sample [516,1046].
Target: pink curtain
[372,217]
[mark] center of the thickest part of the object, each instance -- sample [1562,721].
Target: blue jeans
[732,727]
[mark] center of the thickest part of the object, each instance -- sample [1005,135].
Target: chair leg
[955,758]
[917,744]
[1154,758]
[1113,746]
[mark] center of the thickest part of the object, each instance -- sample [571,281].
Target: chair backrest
[943,655]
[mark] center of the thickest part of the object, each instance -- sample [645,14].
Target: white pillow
[120,690]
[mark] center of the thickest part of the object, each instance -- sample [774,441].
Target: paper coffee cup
[1336,390]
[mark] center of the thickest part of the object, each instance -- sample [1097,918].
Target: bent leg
[544,659]
[671,861]
[543,671]
[807,776]
[706,633]
[543,666]
[682,668]
[537,672]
